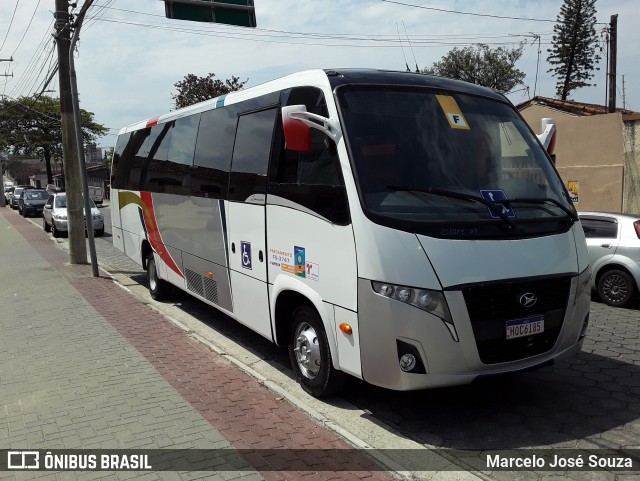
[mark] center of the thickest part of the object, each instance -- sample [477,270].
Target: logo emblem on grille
[528,299]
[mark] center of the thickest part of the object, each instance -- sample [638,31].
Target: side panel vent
[203,286]
[210,289]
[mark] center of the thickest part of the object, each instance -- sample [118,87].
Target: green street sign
[231,12]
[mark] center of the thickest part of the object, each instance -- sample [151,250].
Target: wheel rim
[307,351]
[615,289]
[152,276]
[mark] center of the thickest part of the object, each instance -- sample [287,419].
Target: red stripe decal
[154,233]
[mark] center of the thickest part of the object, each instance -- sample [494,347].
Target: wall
[631,197]
[589,150]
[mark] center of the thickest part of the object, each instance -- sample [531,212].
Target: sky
[130,55]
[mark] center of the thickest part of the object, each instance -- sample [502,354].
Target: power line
[10,23]
[27,29]
[378,43]
[469,13]
[322,35]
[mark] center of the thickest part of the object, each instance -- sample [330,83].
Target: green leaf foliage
[193,89]
[574,55]
[482,65]
[31,126]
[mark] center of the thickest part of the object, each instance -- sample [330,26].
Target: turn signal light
[346,328]
[209,274]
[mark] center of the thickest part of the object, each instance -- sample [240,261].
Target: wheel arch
[616,265]
[288,294]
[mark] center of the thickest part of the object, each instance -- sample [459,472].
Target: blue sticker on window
[245,251]
[497,196]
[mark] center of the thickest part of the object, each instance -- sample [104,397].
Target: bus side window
[214,147]
[312,179]
[251,153]
[129,165]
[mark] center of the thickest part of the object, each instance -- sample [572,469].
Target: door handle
[260,256]
[233,247]
[607,246]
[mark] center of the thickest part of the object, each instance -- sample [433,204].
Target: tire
[310,355]
[45,226]
[100,232]
[54,230]
[616,288]
[158,288]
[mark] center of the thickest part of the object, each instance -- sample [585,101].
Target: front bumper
[63,225]
[389,328]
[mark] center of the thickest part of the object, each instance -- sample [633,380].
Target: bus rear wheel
[158,288]
[310,355]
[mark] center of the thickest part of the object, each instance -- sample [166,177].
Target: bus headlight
[427,300]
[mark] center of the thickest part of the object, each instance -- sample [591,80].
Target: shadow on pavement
[583,396]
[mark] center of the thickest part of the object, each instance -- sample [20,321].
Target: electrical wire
[10,24]
[35,10]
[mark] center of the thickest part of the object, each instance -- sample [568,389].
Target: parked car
[8,192]
[54,216]
[613,241]
[31,202]
[13,202]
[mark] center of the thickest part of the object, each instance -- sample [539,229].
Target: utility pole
[77,120]
[613,52]
[624,95]
[72,174]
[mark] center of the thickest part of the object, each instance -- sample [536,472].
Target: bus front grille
[491,305]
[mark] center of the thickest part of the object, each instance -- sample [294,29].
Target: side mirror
[47,206]
[297,134]
[297,124]
[548,136]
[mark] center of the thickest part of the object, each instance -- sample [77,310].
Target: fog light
[407,362]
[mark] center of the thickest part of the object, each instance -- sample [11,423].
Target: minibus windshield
[427,156]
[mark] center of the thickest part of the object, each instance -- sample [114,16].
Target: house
[597,152]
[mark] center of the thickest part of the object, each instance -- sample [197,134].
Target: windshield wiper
[459,195]
[542,200]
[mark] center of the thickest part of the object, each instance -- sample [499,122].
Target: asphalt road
[591,400]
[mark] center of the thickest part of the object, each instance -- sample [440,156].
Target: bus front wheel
[310,354]
[158,288]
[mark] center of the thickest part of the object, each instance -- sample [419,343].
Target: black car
[32,201]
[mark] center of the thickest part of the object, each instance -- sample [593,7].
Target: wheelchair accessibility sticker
[245,251]
[498,196]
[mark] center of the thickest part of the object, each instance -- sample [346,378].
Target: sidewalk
[85,365]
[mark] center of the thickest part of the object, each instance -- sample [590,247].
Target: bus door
[247,235]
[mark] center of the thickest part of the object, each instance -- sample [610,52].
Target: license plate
[525,327]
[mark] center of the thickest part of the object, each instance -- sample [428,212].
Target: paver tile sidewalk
[83,364]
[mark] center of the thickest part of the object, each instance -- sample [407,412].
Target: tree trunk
[47,161]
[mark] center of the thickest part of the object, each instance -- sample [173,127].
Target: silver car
[54,216]
[613,241]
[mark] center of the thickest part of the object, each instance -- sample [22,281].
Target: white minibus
[405,229]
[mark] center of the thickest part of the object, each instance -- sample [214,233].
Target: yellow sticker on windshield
[453,113]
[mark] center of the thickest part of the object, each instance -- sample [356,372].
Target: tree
[479,64]
[194,89]
[574,53]
[30,126]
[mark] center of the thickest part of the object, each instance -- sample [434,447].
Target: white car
[54,216]
[613,241]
